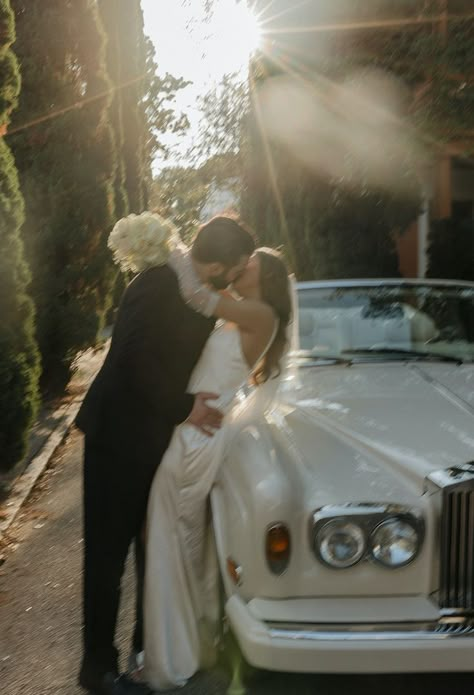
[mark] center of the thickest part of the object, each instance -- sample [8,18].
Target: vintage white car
[344,516]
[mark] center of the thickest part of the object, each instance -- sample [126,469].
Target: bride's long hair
[275,291]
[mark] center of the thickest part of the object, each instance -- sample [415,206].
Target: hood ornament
[459,471]
[454,475]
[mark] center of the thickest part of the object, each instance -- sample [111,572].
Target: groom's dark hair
[224,239]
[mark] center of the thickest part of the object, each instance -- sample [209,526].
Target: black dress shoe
[123,685]
[113,684]
[97,685]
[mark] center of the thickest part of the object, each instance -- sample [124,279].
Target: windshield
[390,322]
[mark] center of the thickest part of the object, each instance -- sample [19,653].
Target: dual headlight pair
[390,536]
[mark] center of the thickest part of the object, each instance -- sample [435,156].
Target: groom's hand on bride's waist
[203,416]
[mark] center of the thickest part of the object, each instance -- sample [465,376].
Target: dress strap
[270,342]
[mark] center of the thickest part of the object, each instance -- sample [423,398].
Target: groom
[128,416]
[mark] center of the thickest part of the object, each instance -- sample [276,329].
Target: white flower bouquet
[141,241]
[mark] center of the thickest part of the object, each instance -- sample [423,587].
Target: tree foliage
[143,99]
[426,48]
[132,57]
[19,358]
[333,187]
[159,107]
[224,111]
[141,108]
[64,149]
[326,197]
[435,58]
[180,193]
[114,61]
[329,227]
[215,158]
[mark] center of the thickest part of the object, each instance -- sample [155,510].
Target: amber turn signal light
[278,548]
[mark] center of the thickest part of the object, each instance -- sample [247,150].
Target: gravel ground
[40,594]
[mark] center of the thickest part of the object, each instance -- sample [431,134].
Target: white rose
[149,231]
[139,227]
[142,241]
[160,233]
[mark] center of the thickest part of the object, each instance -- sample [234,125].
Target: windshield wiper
[317,357]
[409,354]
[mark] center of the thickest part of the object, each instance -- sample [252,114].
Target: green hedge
[19,359]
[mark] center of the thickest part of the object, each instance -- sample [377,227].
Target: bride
[181,598]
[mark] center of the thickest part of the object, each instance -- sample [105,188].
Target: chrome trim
[358,529]
[367,515]
[380,282]
[441,630]
[239,575]
[455,475]
[388,520]
[456,527]
[362,509]
[445,627]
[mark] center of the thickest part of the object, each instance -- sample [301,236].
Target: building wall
[407,246]
[458,195]
[463,183]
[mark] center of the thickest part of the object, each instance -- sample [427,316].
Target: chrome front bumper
[459,626]
[443,645]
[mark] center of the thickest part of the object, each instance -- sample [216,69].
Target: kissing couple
[155,425]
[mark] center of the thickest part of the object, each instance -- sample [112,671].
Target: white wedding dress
[181,583]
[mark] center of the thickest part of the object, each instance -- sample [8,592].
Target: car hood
[371,431]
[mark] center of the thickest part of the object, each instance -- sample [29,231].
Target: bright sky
[188,46]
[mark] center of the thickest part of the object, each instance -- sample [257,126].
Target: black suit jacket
[139,395]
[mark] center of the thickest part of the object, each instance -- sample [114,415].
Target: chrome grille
[457,542]
[455,628]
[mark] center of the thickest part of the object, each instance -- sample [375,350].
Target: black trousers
[115,500]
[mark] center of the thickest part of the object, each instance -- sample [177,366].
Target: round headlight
[395,542]
[340,543]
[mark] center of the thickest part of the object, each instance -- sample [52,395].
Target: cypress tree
[116,61]
[64,149]
[115,68]
[145,97]
[19,358]
[129,28]
[139,110]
